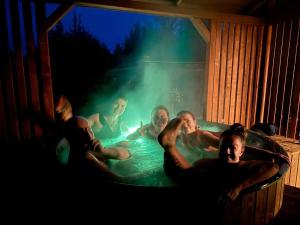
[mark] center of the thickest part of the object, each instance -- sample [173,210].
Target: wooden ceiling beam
[59,13]
[201,28]
[168,8]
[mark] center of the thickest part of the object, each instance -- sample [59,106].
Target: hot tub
[258,204]
[143,174]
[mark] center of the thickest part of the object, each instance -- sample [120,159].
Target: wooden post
[8,82]
[31,60]
[291,77]
[229,63]
[59,13]
[265,75]
[210,79]
[20,74]
[250,112]
[45,60]
[257,70]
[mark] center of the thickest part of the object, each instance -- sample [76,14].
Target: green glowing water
[145,166]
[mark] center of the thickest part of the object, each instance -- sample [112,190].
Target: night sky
[109,26]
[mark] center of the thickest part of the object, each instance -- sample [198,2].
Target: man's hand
[123,153]
[234,192]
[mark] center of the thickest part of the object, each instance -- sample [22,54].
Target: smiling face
[119,106]
[189,123]
[160,119]
[231,148]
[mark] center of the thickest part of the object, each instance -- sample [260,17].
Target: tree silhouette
[79,61]
[83,64]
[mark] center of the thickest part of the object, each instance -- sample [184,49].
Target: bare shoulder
[94,116]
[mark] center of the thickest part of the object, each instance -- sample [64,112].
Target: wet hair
[160,107]
[186,112]
[235,130]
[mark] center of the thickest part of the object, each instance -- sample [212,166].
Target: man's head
[119,106]
[160,117]
[63,108]
[232,144]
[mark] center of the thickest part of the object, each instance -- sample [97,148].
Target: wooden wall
[257,207]
[235,53]
[26,100]
[282,88]
[238,90]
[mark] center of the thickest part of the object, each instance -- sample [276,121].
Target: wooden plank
[229,64]
[288,173]
[257,70]
[3,125]
[290,78]
[240,77]
[236,211]
[298,174]
[278,196]
[33,78]
[217,61]
[294,112]
[8,84]
[232,212]
[223,73]
[45,60]
[261,204]
[249,202]
[282,190]
[294,170]
[265,74]
[3,119]
[13,123]
[294,108]
[297,135]
[205,82]
[250,111]
[281,98]
[236,48]
[270,75]
[20,76]
[270,203]
[245,94]
[277,65]
[201,28]
[65,7]
[210,80]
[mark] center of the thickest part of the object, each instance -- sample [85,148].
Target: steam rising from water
[164,76]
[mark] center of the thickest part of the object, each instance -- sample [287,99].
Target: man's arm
[257,171]
[271,155]
[101,167]
[102,153]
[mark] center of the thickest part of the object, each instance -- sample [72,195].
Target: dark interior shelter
[252,74]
